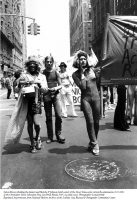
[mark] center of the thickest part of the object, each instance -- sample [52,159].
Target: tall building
[80,25]
[6,33]
[99,10]
[125,7]
[11,33]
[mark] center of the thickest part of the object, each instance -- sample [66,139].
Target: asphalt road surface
[69,165]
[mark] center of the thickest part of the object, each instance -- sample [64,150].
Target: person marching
[66,91]
[85,79]
[28,107]
[52,97]
[33,78]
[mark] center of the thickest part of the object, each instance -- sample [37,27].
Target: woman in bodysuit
[85,79]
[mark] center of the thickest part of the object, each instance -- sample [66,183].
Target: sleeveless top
[52,78]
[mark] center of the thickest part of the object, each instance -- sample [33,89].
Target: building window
[1,24]
[6,8]
[89,16]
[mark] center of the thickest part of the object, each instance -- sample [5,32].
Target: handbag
[28,91]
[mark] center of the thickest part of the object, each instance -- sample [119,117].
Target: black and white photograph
[68,99]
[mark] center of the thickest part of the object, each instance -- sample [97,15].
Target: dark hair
[77,57]
[82,53]
[17,74]
[47,57]
[62,64]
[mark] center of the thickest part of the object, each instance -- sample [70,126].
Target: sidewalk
[3,93]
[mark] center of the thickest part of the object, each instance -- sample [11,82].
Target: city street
[49,168]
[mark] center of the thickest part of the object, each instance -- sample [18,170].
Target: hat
[62,64]
[32,59]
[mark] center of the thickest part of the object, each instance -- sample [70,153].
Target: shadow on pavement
[71,149]
[16,148]
[117,147]
[82,149]
[105,126]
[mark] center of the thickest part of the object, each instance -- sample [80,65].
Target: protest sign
[119,63]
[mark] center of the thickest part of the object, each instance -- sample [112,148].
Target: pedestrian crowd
[52,88]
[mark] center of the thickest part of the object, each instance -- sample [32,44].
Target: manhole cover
[97,169]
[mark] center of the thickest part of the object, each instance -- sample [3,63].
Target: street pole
[5,14]
[104,49]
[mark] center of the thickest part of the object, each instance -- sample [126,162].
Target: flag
[119,64]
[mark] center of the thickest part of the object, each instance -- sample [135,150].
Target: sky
[53,18]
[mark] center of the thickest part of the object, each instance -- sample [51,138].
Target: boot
[60,138]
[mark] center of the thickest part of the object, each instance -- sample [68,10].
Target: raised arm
[80,82]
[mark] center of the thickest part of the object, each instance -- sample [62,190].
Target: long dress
[19,115]
[120,122]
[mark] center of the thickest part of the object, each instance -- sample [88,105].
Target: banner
[119,65]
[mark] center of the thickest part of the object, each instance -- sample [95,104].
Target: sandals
[33,149]
[36,145]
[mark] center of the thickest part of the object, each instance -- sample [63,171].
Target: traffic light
[31,29]
[36,29]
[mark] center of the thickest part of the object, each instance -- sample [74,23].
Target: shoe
[64,116]
[128,129]
[94,149]
[75,115]
[95,152]
[33,149]
[38,144]
[60,139]
[128,119]
[48,141]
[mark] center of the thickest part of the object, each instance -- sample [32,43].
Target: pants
[132,102]
[66,94]
[9,93]
[91,110]
[48,102]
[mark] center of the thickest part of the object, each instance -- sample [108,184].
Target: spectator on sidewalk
[109,107]
[15,83]
[105,97]
[85,79]
[3,82]
[9,84]
[120,122]
[66,91]
[131,110]
[52,98]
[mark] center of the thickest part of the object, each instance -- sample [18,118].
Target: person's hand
[97,71]
[31,82]
[38,83]
[82,76]
[52,89]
